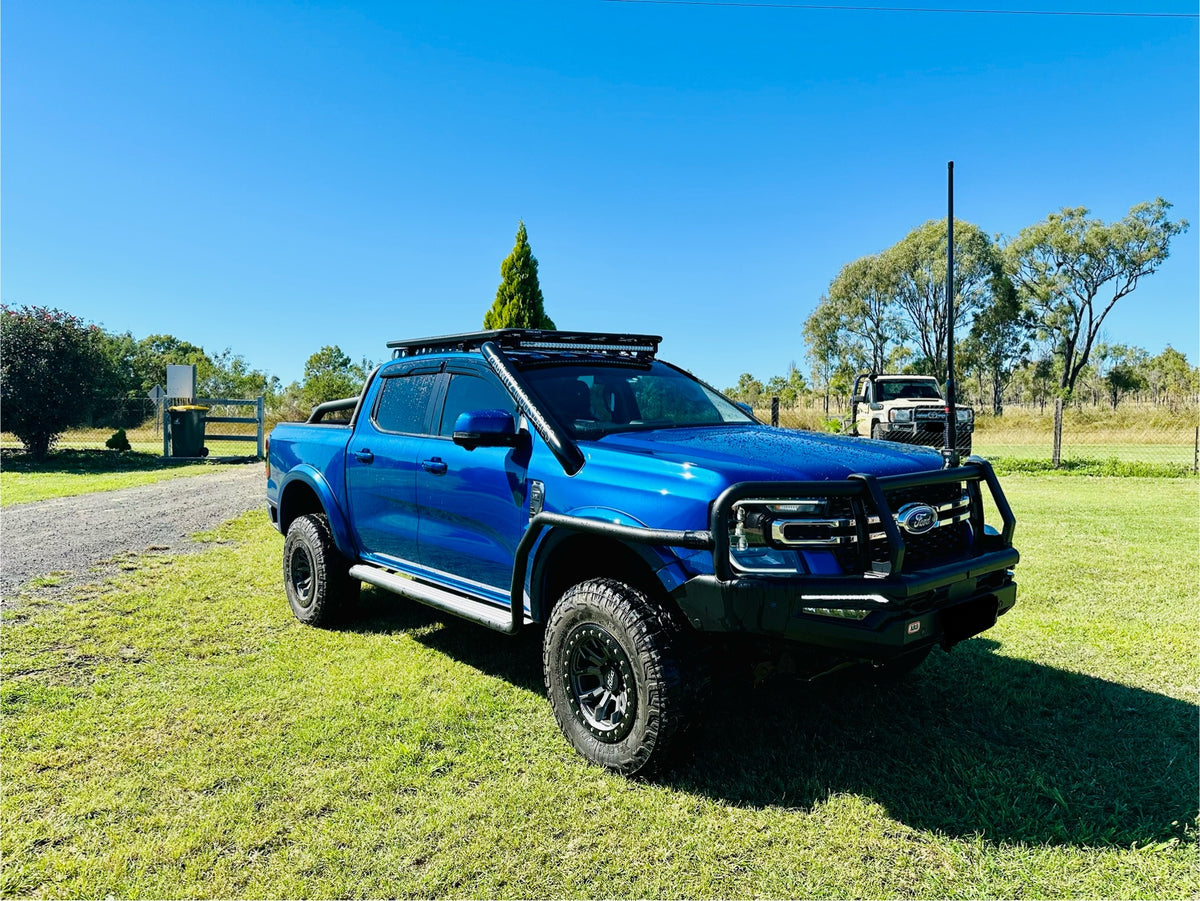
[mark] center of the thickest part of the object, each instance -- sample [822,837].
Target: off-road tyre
[616,665]
[315,574]
[877,431]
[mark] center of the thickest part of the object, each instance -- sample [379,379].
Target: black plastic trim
[565,450]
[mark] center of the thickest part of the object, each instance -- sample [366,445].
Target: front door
[472,502]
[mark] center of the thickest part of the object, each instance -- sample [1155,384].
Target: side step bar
[497,618]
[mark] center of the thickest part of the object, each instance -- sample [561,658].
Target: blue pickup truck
[574,482]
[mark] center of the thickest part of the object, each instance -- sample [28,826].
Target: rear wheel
[611,662]
[315,574]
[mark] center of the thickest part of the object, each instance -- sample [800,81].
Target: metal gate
[256,420]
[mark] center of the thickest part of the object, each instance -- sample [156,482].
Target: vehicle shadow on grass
[514,658]
[972,743]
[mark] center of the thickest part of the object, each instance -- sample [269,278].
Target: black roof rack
[642,347]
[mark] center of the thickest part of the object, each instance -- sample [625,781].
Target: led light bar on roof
[551,345]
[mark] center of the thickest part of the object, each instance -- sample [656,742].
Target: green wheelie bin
[187,431]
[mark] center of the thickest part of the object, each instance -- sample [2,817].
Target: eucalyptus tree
[1071,269]
[834,350]
[864,296]
[918,267]
[998,343]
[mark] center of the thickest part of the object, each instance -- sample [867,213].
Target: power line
[915,9]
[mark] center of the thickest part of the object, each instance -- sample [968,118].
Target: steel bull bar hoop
[867,495]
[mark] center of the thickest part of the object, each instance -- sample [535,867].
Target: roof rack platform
[533,341]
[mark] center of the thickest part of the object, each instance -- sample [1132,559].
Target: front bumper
[942,605]
[924,431]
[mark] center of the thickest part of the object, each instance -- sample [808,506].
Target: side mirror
[858,399]
[744,407]
[485,428]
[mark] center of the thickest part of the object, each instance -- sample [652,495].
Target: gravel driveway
[73,535]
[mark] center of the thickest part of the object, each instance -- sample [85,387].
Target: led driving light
[836,613]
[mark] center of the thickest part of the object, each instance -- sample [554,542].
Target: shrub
[118,441]
[51,367]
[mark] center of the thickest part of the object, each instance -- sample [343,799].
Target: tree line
[1028,314]
[1030,311]
[58,371]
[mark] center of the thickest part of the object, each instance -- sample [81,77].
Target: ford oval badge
[916,519]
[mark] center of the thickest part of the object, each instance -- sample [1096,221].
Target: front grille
[950,540]
[942,545]
[934,495]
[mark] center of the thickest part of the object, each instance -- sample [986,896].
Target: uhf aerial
[950,442]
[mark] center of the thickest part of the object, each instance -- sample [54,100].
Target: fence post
[1056,455]
[1196,452]
[775,411]
[259,413]
[166,421]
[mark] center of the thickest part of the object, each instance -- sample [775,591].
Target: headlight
[900,415]
[965,414]
[767,534]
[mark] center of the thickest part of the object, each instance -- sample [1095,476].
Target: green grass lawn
[179,734]
[71,472]
[1179,454]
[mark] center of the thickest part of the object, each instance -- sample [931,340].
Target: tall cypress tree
[518,301]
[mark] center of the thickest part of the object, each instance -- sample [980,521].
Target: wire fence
[1163,435]
[142,421]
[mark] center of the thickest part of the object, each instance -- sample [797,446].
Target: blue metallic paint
[460,527]
[306,474]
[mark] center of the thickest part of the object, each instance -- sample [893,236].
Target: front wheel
[611,662]
[315,574]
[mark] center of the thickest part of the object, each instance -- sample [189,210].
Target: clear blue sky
[276,176]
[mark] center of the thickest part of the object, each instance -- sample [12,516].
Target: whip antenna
[950,444]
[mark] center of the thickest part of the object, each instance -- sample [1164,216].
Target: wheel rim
[600,683]
[300,573]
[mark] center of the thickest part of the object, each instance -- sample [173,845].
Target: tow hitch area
[967,620]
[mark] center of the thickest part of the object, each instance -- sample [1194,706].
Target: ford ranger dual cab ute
[575,482]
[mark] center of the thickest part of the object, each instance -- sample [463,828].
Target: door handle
[435,466]
[364,456]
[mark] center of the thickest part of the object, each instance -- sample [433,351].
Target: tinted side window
[466,393]
[402,403]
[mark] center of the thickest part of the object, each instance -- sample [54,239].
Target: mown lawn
[179,734]
[68,473]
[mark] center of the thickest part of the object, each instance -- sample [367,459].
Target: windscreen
[903,389]
[592,400]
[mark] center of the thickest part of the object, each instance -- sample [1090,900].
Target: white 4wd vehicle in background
[906,408]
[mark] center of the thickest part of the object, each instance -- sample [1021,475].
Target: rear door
[472,502]
[382,462]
